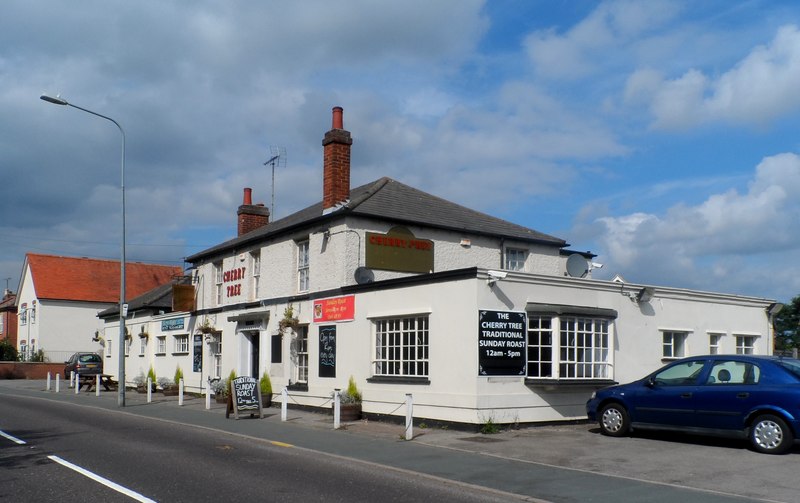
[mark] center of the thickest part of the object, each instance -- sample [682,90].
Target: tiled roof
[93,280]
[389,200]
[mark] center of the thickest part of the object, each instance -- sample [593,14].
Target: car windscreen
[793,366]
[89,358]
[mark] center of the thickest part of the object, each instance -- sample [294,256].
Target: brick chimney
[336,170]
[251,216]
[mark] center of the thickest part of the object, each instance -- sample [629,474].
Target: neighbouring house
[8,317]
[59,299]
[477,318]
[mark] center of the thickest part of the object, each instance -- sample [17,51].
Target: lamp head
[56,101]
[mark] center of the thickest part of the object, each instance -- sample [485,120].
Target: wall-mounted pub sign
[335,309]
[501,343]
[398,250]
[173,324]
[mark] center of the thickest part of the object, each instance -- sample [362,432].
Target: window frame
[668,341]
[218,276]
[517,263]
[394,355]
[580,347]
[255,262]
[715,342]
[180,344]
[161,345]
[303,269]
[741,344]
[301,350]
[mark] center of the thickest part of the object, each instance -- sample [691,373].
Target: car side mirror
[651,382]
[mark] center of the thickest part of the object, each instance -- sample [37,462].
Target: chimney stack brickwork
[251,216]
[336,164]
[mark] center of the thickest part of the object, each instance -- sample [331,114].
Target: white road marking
[102,480]
[13,439]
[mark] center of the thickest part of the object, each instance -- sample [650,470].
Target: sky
[662,136]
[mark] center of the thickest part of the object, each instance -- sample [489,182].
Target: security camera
[495,275]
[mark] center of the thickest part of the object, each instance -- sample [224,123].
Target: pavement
[559,463]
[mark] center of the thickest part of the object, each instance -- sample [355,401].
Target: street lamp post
[122,305]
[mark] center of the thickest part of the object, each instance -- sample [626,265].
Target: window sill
[569,383]
[179,353]
[420,381]
[161,354]
[297,387]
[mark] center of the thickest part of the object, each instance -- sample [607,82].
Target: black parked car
[83,364]
[745,396]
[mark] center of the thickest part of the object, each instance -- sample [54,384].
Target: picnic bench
[89,380]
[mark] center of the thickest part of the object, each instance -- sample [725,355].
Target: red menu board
[335,309]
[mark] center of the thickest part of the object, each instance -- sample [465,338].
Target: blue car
[743,396]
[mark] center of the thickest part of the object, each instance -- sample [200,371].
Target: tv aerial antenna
[277,158]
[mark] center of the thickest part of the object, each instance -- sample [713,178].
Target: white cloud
[704,245]
[758,89]
[602,38]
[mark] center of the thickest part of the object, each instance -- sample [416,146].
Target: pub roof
[391,201]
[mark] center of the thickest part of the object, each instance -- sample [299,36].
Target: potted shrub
[140,381]
[152,375]
[350,402]
[220,389]
[266,390]
[167,387]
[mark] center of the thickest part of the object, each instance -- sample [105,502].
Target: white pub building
[478,318]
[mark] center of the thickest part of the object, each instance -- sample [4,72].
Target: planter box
[350,412]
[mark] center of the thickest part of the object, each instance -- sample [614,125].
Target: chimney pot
[338,121]
[248,196]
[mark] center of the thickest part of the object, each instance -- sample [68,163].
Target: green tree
[8,353]
[787,325]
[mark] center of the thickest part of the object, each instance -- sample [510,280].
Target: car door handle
[742,395]
[686,395]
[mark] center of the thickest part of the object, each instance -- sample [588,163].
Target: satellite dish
[577,266]
[364,275]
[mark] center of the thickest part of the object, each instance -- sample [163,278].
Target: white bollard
[284,404]
[409,417]
[180,392]
[48,381]
[58,382]
[77,384]
[337,410]
[149,390]
[71,378]
[208,396]
[97,385]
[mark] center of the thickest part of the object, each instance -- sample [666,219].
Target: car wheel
[614,420]
[771,435]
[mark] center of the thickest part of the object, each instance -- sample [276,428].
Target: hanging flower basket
[289,321]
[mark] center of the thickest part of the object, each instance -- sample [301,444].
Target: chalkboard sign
[327,351]
[244,396]
[501,343]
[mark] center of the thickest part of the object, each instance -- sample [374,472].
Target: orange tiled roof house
[59,298]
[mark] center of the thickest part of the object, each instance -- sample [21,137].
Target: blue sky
[660,135]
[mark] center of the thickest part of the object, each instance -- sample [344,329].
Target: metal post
[337,412]
[409,417]
[123,307]
[208,395]
[149,390]
[71,378]
[180,392]
[77,384]
[97,385]
[284,403]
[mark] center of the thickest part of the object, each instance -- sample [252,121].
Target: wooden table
[89,380]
